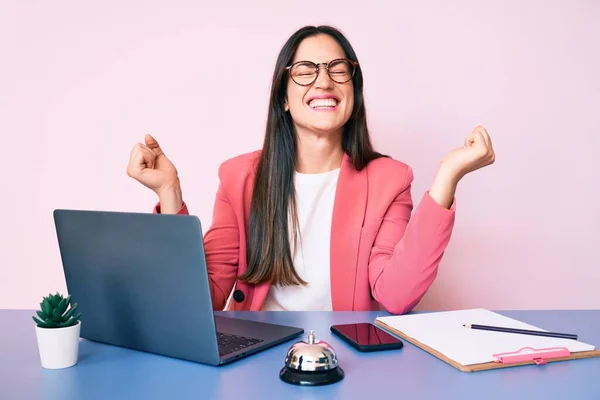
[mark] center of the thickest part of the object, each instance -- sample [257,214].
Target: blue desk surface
[109,372]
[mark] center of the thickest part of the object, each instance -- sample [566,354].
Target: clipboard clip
[539,356]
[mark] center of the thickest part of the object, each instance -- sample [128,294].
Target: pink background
[81,83]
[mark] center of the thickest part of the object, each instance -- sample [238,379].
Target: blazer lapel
[347,220]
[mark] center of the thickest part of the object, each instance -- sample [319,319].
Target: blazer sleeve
[221,246]
[407,251]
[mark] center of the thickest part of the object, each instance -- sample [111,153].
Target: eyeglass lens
[305,73]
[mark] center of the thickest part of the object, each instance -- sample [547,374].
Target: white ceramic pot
[58,347]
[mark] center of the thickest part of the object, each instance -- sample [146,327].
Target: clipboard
[521,354]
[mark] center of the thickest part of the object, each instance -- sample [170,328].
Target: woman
[317,219]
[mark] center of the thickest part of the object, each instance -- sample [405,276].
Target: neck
[319,153]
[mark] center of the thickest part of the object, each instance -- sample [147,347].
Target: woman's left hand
[476,153]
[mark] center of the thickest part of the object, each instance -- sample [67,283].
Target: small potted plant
[57,331]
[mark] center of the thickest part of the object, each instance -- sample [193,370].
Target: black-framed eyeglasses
[340,70]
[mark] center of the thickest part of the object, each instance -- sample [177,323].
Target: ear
[286,107]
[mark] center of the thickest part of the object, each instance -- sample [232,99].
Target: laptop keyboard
[229,343]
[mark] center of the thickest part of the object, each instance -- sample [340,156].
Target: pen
[522,331]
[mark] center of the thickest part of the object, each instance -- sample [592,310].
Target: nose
[323,80]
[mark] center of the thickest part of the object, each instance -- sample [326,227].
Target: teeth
[319,103]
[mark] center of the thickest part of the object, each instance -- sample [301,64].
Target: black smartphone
[366,337]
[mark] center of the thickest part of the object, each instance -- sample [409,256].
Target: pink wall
[80,84]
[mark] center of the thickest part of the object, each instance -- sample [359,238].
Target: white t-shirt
[315,197]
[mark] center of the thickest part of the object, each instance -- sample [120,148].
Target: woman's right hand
[149,166]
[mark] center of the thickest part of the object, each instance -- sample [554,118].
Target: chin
[325,123]
[322,124]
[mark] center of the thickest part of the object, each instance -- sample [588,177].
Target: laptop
[141,282]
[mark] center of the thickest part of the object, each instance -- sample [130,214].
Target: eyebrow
[322,62]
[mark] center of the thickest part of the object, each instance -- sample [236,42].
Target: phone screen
[366,334]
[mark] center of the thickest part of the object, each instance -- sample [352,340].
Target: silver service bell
[311,363]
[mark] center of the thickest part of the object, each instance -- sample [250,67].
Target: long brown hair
[269,255]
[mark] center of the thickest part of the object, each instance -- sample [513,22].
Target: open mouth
[326,104]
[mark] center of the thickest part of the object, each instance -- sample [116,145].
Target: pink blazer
[378,258]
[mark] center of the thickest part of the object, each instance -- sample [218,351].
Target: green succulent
[54,314]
